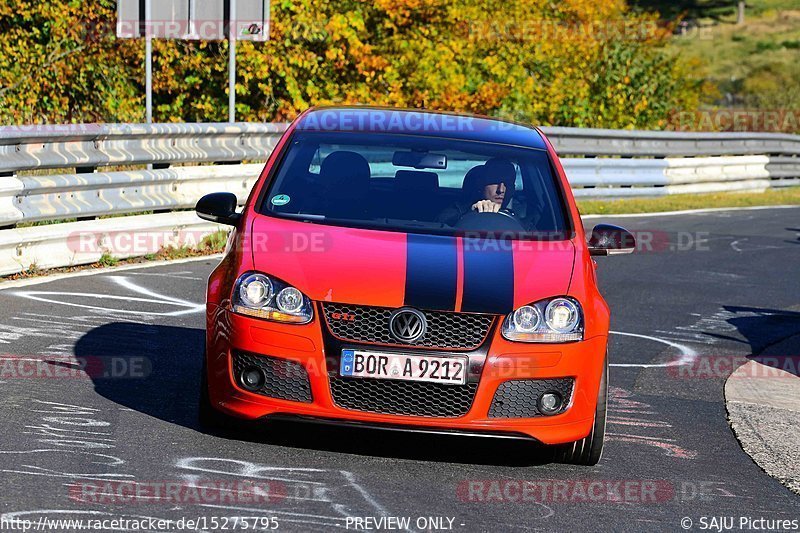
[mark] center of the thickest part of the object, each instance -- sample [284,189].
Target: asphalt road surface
[707,289]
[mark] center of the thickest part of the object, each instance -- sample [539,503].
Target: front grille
[446,330]
[411,398]
[286,380]
[519,398]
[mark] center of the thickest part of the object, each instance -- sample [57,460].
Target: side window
[542,197]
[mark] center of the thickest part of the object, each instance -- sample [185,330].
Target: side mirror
[218,207]
[611,240]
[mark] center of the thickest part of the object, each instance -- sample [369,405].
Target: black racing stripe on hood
[431,272]
[488,276]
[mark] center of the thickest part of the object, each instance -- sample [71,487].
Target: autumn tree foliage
[587,63]
[58,63]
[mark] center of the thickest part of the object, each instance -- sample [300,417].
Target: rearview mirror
[420,160]
[218,207]
[611,240]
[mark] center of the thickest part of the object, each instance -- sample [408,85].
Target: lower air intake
[519,398]
[410,398]
[285,380]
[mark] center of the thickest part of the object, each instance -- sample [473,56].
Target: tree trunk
[740,13]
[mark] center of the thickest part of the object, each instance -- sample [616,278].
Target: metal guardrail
[189,160]
[92,146]
[634,143]
[84,195]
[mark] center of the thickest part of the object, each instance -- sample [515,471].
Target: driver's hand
[486,206]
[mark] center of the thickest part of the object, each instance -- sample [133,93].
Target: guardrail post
[86,170]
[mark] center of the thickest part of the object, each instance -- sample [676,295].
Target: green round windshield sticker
[281,199]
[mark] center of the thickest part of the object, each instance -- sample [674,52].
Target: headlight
[290,300]
[526,319]
[562,315]
[260,296]
[553,320]
[255,290]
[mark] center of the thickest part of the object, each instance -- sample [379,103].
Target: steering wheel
[494,221]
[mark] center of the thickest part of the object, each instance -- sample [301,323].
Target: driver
[487,188]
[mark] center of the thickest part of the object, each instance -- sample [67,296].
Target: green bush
[107,260]
[766,46]
[215,242]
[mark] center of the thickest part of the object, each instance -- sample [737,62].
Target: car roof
[367,119]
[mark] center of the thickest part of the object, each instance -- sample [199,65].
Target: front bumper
[501,361]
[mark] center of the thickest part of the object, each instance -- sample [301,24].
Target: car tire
[588,450]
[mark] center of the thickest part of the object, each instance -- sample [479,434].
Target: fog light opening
[550,403]
[252,378]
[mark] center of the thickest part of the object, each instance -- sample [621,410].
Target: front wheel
[588,450]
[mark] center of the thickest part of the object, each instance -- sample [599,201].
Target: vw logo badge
[407,325]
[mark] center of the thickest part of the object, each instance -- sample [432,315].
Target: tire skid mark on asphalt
[64,328]
[73,438]
[124,282]
[87,299]
[687,355]
[171,275]
[42,296]
[637,422]
[89,320]
[687,336]
[114,461]
[306,485]
[11,333]
[710,329]
[51,321]
[672,450]
[620,400]
[738,244]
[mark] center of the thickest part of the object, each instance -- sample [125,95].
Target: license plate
[445,370]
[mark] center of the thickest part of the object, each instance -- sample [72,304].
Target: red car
[412,271]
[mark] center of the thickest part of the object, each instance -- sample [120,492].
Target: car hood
[395,269]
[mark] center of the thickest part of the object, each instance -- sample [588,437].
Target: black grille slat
[446,330]
[410,398]
[286,380]
[518,398]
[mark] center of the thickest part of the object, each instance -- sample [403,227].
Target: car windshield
[417,184]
